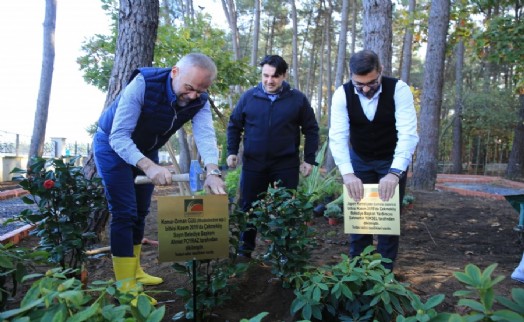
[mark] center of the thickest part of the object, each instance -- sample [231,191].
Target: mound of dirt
[441,234]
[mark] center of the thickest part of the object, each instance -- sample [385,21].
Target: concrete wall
[8,163]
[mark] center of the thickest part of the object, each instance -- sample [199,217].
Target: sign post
[193,228]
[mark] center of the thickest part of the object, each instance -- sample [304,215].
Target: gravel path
[9,208]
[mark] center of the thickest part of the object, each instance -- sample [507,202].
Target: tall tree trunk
[137,31]
[456,152]
[36,147]
[320,78]
[256,34]
[342,44]
[231,14]
[354,12]
[516,158]
[295,45]
[425,169]
[184,155]
[408,44]
[378,30]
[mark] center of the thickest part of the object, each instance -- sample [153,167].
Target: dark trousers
[254,183]
[370,171]
[128,203]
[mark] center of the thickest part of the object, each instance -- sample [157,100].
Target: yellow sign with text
[372,215]
[193,228]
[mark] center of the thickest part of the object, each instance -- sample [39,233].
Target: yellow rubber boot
[125,270]
[141,276]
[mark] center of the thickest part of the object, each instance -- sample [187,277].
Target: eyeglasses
[190,88]
[373,83]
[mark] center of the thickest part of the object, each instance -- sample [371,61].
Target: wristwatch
[215,172]
[396,172]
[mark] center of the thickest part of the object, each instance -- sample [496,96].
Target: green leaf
[84,314]
[143,305]
[507,315]
[5,262]
[157,315]
[471,304]
[434,301]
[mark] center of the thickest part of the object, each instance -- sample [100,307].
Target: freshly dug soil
[441,234]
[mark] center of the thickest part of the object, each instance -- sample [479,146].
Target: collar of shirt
[369,105]
[272,96]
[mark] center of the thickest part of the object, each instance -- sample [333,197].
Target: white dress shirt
[406,125]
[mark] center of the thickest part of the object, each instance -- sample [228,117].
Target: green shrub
[210,279]
[15,263]
[280,217]
[56,297]
[65,201]
[318,185]
[232,181]
[360,289]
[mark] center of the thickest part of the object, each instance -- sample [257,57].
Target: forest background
[462,59]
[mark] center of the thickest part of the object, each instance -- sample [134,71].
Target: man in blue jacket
[270,118]
[150,109]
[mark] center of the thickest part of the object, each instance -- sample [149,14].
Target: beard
[369,94]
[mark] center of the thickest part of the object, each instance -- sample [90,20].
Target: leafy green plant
[319,185]
[232,181]
[333,211]
[65,200]
[56,297]
[408,200]
[15,263]
[212,286]
[280,217]
[360,289]
[480,298]
[213,276]
[257,318]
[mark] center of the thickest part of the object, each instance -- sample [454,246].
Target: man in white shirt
[372,137]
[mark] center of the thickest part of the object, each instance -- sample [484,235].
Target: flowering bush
[65,200]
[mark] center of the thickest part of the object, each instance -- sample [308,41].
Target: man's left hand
[215,185]
[387,185]
[305,169]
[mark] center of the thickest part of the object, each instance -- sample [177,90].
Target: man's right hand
[158,174]
[232,161]
[354,186]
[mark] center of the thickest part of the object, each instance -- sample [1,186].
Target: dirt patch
[441,234]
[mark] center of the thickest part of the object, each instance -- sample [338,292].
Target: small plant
[232,181]
[55,297]
[318,185]
[281,216]
[480,297]
[257,318]
[65,200]
[15,263]
[360,289]
[212,276]
[408,200]
[333,211]
[212,287]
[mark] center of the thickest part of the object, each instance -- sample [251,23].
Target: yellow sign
[372,215]
[193,227]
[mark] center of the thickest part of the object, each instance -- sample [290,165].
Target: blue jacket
[272,130]
[160,117]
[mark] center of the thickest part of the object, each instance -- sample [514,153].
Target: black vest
[377,139]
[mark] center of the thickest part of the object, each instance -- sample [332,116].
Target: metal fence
[14,144]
